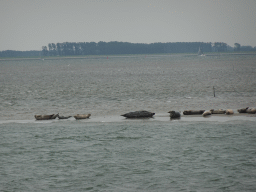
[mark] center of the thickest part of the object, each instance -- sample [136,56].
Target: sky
[30,24]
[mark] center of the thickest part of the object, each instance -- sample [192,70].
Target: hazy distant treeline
[11,53]
[108,48]
[114,47]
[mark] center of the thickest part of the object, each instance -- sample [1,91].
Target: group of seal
[204,113]
[53,116]
[176,114]
[147,114]
[247,110]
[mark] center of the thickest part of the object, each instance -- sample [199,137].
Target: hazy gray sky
[31,24]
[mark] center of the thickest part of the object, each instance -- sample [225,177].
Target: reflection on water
[121,84]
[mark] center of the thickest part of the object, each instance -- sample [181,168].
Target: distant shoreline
[106,56]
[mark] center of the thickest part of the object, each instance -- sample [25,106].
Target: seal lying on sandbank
[138,114]
[252,111]
[46,117]
[63,117]
[242,110]
[229,112]
[219,111]
[174,114]
[83,116]
[193,112]
[206,113]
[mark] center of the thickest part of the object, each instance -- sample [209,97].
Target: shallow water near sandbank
[110,153]
[136,155]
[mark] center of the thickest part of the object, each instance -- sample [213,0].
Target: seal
[206,113]
[174,114]
[138,114]
[63,117]
[46,117]
[229,112]
[243,110]
[251,111]
[82,116]
[193,112]
[219,111]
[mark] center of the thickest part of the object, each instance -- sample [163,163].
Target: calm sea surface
[110,153]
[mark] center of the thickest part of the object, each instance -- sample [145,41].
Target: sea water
[110,153]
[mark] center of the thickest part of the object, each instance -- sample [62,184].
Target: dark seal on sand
[244,110]
[138,114]
[174,114]
[193,112]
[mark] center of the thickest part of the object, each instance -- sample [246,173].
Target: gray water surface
[129,156]
[121,84]
[110,153]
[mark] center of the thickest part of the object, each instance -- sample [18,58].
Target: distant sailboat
[200,52]
[41,56]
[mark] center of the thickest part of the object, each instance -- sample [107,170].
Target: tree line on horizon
[114,47]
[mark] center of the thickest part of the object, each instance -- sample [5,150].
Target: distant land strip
[117,56]
[84,49]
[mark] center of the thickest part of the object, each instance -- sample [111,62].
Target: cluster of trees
[11,53]
[114,47]
[238,47]
[247,48]
[220,47]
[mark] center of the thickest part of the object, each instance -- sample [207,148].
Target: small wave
[120,137]
[73,138]
[26,121]
[17,121]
